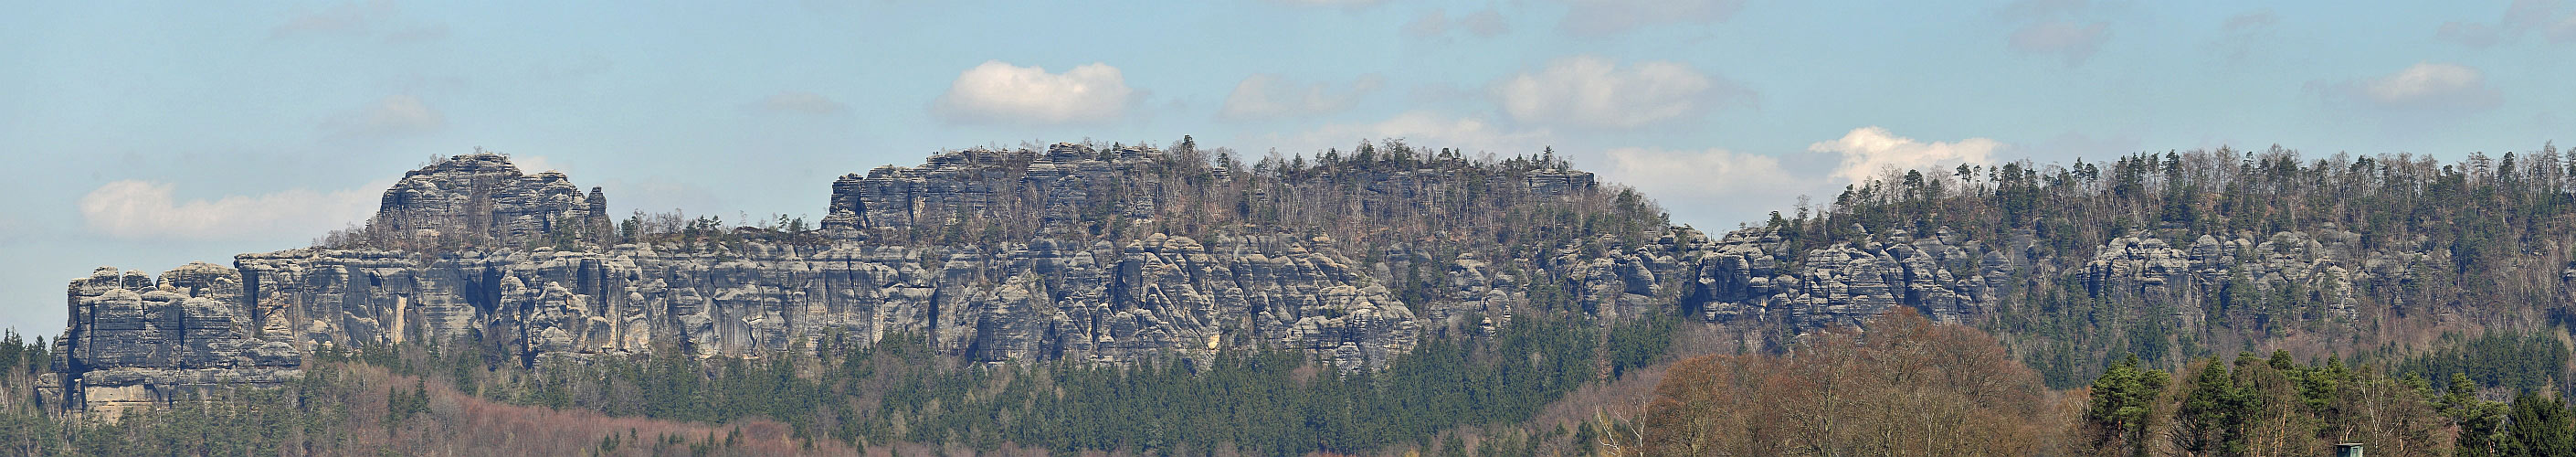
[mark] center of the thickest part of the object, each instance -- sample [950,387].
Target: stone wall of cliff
[1111,255]
[135,341]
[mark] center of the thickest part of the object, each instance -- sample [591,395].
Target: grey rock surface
[1056,271]
[484,199]
[135,342]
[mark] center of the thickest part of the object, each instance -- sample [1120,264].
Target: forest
[2480,244]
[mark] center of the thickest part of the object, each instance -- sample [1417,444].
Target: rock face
[1023,301]
[985,186]
[136,342]
[485,199]
[2190,278]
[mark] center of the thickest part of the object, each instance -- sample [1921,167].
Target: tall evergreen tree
[2211,419]
[2538,427]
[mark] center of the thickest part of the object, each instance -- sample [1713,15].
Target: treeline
[2516,361]
[2482,207]
[2275,406]
[350,407]
[21,361]
[897,390]
[1907,386]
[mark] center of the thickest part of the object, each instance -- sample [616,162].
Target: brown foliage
[462,424]
[1902,386]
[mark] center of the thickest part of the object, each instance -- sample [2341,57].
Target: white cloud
[1867,151]
[1695,175]
[136,209]
[1591,91]
[1606,17]
[1266,96]
[393,115]
[998,92]
[2423,82]
[2076,42]
[1423,129]
[2425,86]
[801,102]
[538,164]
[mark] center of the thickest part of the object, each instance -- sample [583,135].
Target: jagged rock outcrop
[134,342]
[1024,301]
[1751,275]
[990,186]
[2311,264]
[484,197]
[1068,186]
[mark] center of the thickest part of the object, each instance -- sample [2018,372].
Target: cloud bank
[997,92]
[2423,87]
[1425,129]
[1868,151]
[1587,91]
[147,210]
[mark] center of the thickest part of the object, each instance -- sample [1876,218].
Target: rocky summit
[1107,254]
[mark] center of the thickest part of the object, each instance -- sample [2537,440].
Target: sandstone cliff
[1081,252]
[135,342]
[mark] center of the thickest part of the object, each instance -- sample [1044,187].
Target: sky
[145,135]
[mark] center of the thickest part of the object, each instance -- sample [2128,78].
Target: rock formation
[483,199]
[1075,252]
[134,342]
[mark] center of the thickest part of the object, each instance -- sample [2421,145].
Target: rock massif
[483,199]
[1076,252]
[135,342]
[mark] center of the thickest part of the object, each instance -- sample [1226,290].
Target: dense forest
[2466,353]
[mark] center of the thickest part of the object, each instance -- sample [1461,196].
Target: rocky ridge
[1065,274]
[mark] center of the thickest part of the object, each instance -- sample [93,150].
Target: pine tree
[2123,407]
[2539,426]
[2211,419]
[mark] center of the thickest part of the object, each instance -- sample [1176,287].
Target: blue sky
[146,135]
